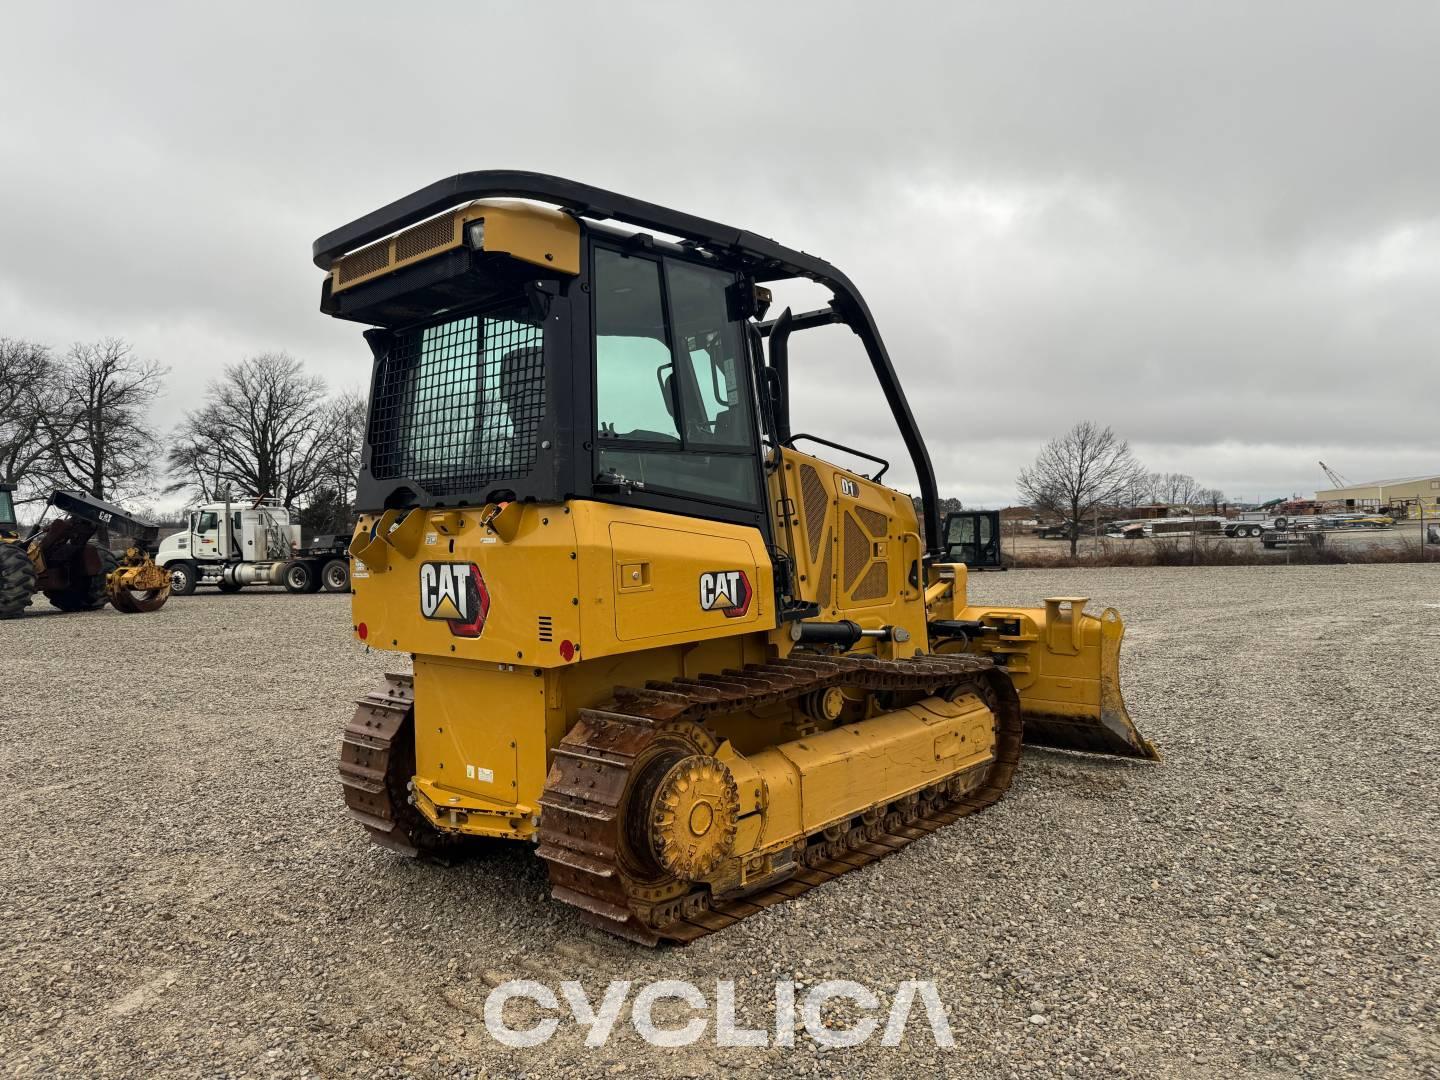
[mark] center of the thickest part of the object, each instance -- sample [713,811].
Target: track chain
[377,763]
[581,824]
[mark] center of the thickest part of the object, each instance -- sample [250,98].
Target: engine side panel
[855,543]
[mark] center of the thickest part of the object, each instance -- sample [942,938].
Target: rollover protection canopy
[761,258]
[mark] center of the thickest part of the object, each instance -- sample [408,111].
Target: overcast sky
[1215,227]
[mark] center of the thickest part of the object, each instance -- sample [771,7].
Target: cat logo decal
[725,590]
[456,593]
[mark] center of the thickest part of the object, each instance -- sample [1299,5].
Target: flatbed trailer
[1292,536]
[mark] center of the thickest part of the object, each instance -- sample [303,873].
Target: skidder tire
[86,593]
[17,580]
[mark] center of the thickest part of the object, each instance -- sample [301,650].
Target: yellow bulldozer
[702,668]
[63,559]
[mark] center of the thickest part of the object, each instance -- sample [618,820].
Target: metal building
[1405,491]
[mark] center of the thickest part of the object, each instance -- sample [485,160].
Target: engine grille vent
[874,584]
[812,495]
[416,242]
[547,628]
[857,550]
[876,522]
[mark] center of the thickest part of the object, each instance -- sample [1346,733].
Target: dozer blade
[1066,666]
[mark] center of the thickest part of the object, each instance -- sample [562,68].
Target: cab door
[675,428]
[207,534]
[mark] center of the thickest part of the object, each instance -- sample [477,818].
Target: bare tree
[98,436]
[28,384]
[346,425]
[193,466]
[1087,468]
[330,507]
[1178,489]
[1211,497]
[1146,489]
[266,430]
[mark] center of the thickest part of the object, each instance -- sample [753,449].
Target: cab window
[672,401]
[634,371]
[716,411]
[208,521]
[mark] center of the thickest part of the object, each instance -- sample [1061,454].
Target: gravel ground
[181,893]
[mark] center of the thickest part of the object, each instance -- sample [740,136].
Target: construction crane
[1336,480]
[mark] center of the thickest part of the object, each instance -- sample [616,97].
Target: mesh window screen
[459,405]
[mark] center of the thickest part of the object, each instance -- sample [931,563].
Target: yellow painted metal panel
[827,778]
[855,544]
[532,576]
[663,606]
[684,591]
[541,235]
[556,579]
[535,234]
[480,739]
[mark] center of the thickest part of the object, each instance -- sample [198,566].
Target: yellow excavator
[703,669]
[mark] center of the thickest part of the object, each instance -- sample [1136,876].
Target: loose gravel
[181,893]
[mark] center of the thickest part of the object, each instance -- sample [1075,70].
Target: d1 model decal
[456,593]
[727,591]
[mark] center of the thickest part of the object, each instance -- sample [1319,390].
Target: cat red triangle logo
[456,593]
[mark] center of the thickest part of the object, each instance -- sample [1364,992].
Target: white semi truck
[261,546]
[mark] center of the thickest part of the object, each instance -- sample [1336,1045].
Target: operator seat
[508,435]
[522,389]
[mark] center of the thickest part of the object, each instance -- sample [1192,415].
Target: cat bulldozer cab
[654,631]
[972,537]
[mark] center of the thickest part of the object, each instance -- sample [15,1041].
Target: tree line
[264,429]
[1090,469]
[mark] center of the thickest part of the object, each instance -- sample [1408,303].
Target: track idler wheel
[692,807]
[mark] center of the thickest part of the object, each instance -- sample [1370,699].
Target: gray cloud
[1213,226]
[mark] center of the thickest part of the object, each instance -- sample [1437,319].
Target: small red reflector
[363,631]
[567,650]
